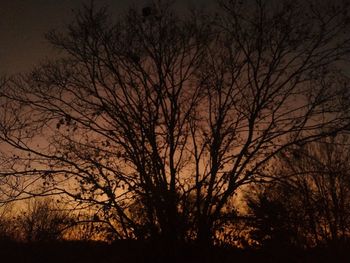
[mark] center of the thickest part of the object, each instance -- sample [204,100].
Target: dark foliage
[307,203]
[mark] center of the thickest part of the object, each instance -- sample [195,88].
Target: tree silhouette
[42,220]
[8,231]
[272,225]
[156,120]
[311,196]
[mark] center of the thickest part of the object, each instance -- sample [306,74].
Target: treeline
[302,203]
[34,221]
[47,220]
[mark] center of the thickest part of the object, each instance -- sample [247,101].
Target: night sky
[23,24]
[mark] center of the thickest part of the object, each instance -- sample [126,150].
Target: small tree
[8,231]
[274,218]
[41,220]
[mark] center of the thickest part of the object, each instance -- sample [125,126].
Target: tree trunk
[204,235]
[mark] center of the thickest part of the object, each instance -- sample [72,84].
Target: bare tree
[268,87]
[8,230]
[42,220]
[155,121]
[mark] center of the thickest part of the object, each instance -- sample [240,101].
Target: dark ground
[131,251]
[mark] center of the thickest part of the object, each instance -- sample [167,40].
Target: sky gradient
[23,24]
